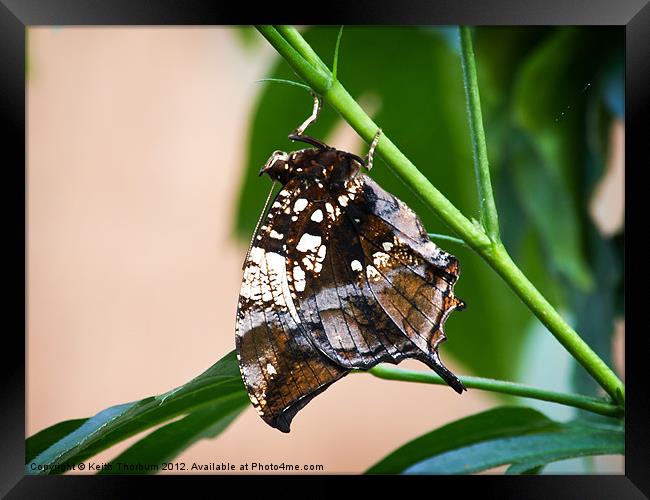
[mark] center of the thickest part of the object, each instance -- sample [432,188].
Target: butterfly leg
[298,134]
[371,152]
[312,118]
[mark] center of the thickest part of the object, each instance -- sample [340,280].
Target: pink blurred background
[136,145]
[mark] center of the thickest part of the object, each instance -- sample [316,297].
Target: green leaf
[500,50]
[167,442]
[507,435]
[524,452]
[491,424]
[533,470]
[549,113]
[221,383]
[548,204]
[42,440]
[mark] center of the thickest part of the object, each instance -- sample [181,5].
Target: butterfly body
[340,276]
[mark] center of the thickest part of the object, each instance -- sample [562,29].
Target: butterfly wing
[411,277]
[341,276]
[355,318]
[338,310]
[280,366]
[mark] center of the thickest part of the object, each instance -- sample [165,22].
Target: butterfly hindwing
[334,302]
[411,277]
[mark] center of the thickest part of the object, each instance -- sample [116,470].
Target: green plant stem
[594,405]
[489,217]
[473,234]
[285,82]
[502,263]
[320,78]
[292,36]
[335,62]
[445,237]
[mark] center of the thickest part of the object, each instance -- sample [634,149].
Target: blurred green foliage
[548,95]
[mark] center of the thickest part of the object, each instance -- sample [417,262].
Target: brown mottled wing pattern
[341,276]
[280,366]
[411,277]
[336,305]
[366,291]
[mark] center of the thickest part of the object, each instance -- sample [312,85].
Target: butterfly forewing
[280,366]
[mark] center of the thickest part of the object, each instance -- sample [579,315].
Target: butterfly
[341,275]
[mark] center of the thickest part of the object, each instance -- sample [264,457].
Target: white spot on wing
[356,265]
[256,255]
[270,369]
[380,259]
[387,246]
[299,278]
[299,205]
[317,216]
[308,243]
[333,212]
[372,273]
[276,235]
[278,285]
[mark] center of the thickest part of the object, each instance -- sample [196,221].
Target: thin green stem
[445,237]
[473,234]
[502,263]
[335,63]
[286,82]
[595,405]
[489,217]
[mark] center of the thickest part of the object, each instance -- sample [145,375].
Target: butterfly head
[277,166]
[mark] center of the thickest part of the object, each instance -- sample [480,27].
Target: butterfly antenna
[257,227]
[371,151]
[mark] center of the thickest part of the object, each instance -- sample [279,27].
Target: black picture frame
[17,15]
